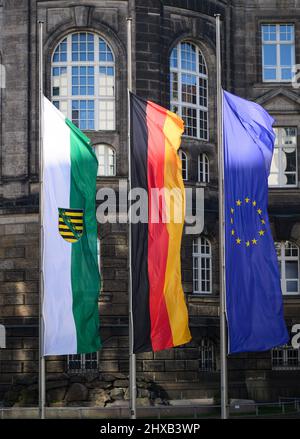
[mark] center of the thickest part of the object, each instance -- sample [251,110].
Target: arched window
[83,81]
[203,168]
[106,156]
[288,258]
[184,163]
[202,266]
[189,88]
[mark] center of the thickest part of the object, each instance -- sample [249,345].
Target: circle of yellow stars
[255,239]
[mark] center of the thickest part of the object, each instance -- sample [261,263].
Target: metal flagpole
[132,359]
[223,337]
[42,381]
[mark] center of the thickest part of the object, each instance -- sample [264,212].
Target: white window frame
[96,98]
[185,166]
[178,103]
[207,350]
[284,352]
[282,258]
[278,43]
[107,149]
[280,146]
[203,162]
[83,361]
[198,257]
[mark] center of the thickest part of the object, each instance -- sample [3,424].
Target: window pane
[292,286]
[189,89]
[286,55]
[174,86]
[174,60]
[270,58]
[291,270]
[188,57]
[290,159]
[286,32]
[269,32]
[286,74]
[189,116]
[270,74]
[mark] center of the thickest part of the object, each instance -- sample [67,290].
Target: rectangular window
[285,358]
[288,260]
[83,362]
[202,272]
[207,362]
[278,52]
[284,171]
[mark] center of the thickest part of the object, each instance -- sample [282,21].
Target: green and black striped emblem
[70,224]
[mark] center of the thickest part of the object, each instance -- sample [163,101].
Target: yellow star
[254,241]
[231,210]
[263,221]
[238,240]
[259,211]
[247,199]
[238,203]
[232,232]
[254,203]
[247,243]
[261,232]
[231,220]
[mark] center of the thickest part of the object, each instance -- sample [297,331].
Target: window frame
[106,159]
[284,352]
[96,64]
[280,146]
[282,258]
[197,258]
[277,42]
[179,103]
[207,347]
[205,164]
[184,160]
[83,361]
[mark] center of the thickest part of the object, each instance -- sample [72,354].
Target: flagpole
[132,359]
[42,381]
[223,337]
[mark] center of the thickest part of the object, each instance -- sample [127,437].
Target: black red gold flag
[160,316]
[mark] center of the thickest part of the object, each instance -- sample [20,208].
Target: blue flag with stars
[254,303]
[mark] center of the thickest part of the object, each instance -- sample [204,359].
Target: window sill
[275,188]
[288,298]
[272,84]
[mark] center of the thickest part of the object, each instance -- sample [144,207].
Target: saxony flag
[69,263]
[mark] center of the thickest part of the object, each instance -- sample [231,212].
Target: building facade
[85,75]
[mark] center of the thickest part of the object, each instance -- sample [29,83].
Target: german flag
[160,317]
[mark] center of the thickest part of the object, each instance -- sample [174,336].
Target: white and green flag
[70,265]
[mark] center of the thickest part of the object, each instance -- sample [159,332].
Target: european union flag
[253,293]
